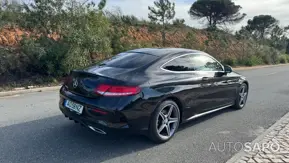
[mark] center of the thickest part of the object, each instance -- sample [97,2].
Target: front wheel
[241,97]
[164,122]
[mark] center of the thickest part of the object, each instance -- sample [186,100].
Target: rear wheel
[241,97]
[164,122]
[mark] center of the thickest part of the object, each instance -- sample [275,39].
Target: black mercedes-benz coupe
[150,91]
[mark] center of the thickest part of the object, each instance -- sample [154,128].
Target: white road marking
[272,73]
[9,96]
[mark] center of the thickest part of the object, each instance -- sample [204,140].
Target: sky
[139,8]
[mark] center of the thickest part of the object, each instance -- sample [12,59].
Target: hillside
[219,44]
[11,36]
[41,49]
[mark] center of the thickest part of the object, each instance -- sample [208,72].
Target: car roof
[161,52]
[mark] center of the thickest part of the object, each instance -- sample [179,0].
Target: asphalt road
[33,129]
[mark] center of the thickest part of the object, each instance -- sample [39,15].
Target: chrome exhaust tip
[97,130]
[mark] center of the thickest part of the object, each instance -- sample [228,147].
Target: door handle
[205,78]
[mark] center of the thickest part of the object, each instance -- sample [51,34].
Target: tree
[287,48]
[216,12]
[82,32]
[278,37]
[179,22]
[101,4]
[10,13]
[242,33]
[261,25]
[163,12]
[43,16]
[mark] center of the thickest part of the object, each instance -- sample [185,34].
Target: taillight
[111,90]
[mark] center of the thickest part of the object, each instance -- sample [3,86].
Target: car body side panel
[197,96]
[223,90]
[189,88]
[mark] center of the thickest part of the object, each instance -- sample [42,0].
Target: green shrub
[267,59]
[44,55]
[230,61]
[179,22]
[190,40]
[34,52]
[251,61]
[130,20]
[53,58]
[273,54]
[12,63]
[283,58]
[117,44]
[76,58]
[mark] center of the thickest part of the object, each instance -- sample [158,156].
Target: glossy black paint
[195,92]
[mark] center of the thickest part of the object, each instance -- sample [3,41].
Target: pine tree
[162,12]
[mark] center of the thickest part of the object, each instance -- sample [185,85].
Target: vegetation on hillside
[44,40]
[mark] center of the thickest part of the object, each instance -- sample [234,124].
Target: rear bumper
[129,121]
[108,128]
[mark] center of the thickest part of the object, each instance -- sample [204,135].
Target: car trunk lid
[85,82]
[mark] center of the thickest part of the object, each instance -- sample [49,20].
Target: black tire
[238,104]
[156,123]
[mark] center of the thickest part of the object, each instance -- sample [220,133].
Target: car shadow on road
[56,139]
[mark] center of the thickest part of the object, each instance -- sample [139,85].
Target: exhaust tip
[97,130]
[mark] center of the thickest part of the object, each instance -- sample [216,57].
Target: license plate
[73,106]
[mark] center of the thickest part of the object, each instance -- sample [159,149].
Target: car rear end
[96,101]
[103,98]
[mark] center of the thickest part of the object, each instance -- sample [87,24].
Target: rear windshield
[129,60]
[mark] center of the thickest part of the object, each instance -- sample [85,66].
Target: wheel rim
[243,96]
[167,121]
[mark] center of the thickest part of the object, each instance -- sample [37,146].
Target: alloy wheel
[243,95]
[167,121]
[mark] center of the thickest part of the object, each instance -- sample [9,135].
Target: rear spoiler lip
[90,73]
[97,75]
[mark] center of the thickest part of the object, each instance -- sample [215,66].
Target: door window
[193,63]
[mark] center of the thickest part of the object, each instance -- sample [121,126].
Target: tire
[241,100]
[163,123]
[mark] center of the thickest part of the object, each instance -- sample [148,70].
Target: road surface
[33,129]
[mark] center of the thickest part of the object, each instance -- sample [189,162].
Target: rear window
[129,60]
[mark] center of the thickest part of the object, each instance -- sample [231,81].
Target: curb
[258,67]
[11,93]
[242,153]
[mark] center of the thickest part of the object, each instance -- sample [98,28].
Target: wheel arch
[242,82]
[247,83]
[178,102]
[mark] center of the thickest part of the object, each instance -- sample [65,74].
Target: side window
[205,63]
[193,63]
[180,64]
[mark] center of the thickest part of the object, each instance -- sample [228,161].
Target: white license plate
[73,106]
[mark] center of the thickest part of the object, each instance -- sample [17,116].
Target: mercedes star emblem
[75,83]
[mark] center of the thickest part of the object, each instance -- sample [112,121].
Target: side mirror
[228,69]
